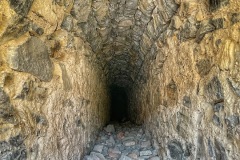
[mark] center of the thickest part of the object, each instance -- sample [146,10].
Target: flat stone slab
[145,153]
[98,148]
[133,155]
[145,144]
[129,143]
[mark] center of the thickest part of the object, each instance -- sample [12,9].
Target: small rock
[129,143]
[88,158]
[113,155]
[105,151]
[125,158]
[218,107]
[155,158]
[145,153]
[32,57]
[98,148]
[115,150]
[128,138]
[133,155]
[232,120]
[216,120]
[3,96]
[145,144]
[120,135]
[67,23]
[111,141]
[99,155]
[110,128]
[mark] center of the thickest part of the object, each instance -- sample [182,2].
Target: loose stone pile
[124,142]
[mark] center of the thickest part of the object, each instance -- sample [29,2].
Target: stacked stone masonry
[179,61]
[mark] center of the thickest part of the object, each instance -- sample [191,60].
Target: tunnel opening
[119,104]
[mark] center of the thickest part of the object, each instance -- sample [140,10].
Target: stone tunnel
[68,68]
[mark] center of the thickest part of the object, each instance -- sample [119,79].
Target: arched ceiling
[123,32]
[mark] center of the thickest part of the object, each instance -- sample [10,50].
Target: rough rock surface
[192,85]
[48,83]
[32,57]
[179,62]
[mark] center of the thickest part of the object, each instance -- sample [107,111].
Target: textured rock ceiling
[122,32]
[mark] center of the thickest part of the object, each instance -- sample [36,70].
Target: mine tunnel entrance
[119,104]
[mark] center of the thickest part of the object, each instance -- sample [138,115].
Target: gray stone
[13,149]
[145,153]
[216,120]
[211,151]
[218,107]
[39,31]
[67,23]
[232,120]
[99,155]
[3,97]
[188,150]
[214,90]
[89,158]
[133,155]
[203,67]
[217,23]
[200,147]
[16,141]
[81,10]
[188,31]
[6,110]
[116,151]
[234,87]
[216,4]
[220,151]
[21,7]
[125,158]
[235,18]
[32,57]
[129,143]
[146,144]
[98,148]
[110,128]
[187,101]
[111,141]
[35,30]
[176,151]
[204,29]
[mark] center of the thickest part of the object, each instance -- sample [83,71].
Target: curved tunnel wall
[178,62]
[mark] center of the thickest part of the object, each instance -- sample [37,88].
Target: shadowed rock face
[119,104]
[178,62]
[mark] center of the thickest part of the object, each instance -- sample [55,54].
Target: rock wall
[53,92]
[177,59]
[190,97]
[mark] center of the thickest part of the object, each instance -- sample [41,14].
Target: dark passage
[119,104]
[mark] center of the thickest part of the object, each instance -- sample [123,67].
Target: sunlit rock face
[177,60]
[190,99]
[53,93]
